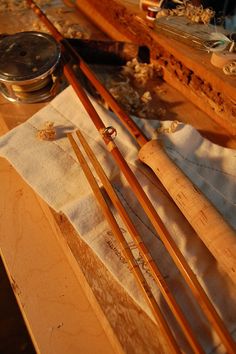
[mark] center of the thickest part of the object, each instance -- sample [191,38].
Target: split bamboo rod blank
[163,233]
[133,266]
[220,239]
[175,253]
[141,246]
[66,46]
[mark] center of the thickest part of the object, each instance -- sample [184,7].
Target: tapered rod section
[210,226]
[144,201]
[156,273]
[133,266]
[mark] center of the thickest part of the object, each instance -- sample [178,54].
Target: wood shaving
[196,14]
[171,129]
[66,28]
[141,72]
[145,112]
[127,96]
[70,30]
[12,5]
[161,112]
[128,88]
[16,5]
[146,97]
[39,26]
[160,90]
[48,132]
[130,99]
[230,68]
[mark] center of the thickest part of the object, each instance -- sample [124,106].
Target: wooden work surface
[186,68]
[70,302]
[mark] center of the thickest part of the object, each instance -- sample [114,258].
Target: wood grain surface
[185,68]
[45,274]
[68,299]
[70,302]
[57,312]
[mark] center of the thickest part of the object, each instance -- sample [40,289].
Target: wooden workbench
[185,68]
[70,302]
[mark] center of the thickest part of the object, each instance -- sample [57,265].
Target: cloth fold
[51,168]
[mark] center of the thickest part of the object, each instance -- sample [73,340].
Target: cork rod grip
[210,226]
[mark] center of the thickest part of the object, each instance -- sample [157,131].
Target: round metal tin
[28,62]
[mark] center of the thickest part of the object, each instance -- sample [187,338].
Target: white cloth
[52,170]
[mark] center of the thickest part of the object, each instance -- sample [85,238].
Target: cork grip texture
[210,226]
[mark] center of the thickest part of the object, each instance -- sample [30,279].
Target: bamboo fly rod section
[161,283]
[133,266]
[169,243]
[130,125]
[163,233]
[203,217]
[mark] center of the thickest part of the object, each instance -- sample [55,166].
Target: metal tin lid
[27,55]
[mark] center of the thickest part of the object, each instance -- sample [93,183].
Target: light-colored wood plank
[56,310]
[133,328]
[187,69]
[128,328]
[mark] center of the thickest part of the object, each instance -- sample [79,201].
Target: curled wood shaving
[171,129]
[66,28]
[39,26]
[126,95]
[12,5]
[160,90]
[131,100]
[16,5]
[128,88]
[161,112]
[141,72]
[48,132]
[196,14]
[146,97]
[70,30]
[230,68]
